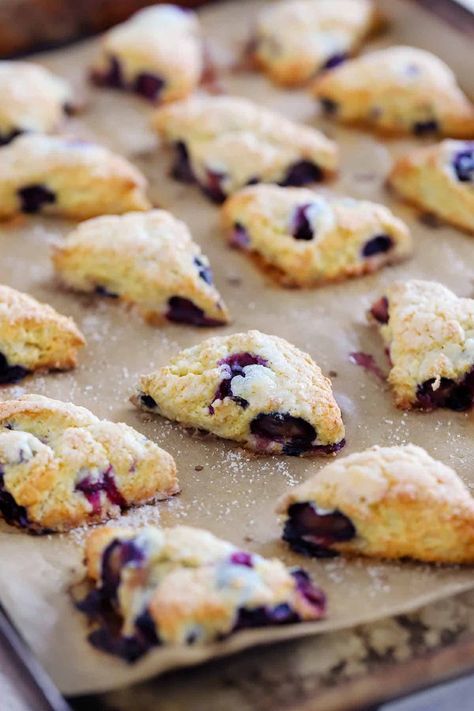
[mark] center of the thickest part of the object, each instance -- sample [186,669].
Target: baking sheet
[233,494]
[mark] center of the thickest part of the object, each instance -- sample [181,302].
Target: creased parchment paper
[233,494]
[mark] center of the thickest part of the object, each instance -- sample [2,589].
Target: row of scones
[62,467]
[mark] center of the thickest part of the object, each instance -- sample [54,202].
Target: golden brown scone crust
[401,502]
[35,336]
[398,90]
[307,239]
[145,258]
[294,39]
[428,337]
[427,178]
[192,584]
[233,141]
[64,467]
[239,386]
[162,42]
[82,179]
[32,99]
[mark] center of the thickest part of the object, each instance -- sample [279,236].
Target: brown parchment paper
[234,493]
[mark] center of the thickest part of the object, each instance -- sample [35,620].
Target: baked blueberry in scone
[34,337]
[385,502]
[439,179]
[398,90]
[61,467]
[255,389]
[428,335]
[157,54]
[147,259]
[182,586]
[57,175]
[224,143]
[32,100]
[306,239]
[294,39]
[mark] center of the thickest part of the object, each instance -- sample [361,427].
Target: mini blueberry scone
[439,179]
[56,175]
[148,259]
[224,143]
[32,100]
[62,467]
[294,39]
[182,586]
[34,337]
[385,502]
[255,389]
[157,53]
[305,239]
[397,90]
[428,334]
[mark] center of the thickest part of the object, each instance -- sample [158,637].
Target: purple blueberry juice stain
[213,187]
[116,556]
[240,238]
[105,483]
[149,86]
[335,60]
[302,173]
[204,270]
[295,434]
[452,394]
[313,531]
[380,244]
[301,227]
[181,310]
[379,310]
[234,365]
[311,592]
[463,164]
[367,361]
[11,373]
[242,558]
[34,197]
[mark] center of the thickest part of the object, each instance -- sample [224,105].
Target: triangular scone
[32,99]
[386,502]
[397,90]
[427,331]
[61,467]
[147,259]
[439,179]
[294,39]
[57,175]
[306,239]
[33,336]
[157,54]
[252,388]
[182,585]
[224,143]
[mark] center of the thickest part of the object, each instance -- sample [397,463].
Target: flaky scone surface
[148,259]
[294,39]
[251,388]
[187,586]
[32,99]
[308,239]
[58,175]
[157,53]
[428,334]
[62,467]
[398,90]
[230,141]
[399,501]
[35,336]
[440,179]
